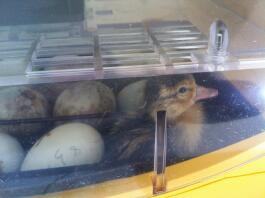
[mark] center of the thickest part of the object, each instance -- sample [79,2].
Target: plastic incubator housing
[125,98]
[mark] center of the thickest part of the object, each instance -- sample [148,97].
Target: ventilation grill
[177,40]
[63,54]
[118,46]
[126,45]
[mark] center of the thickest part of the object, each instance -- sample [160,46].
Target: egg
[51,91]
[22,103]
[88,97]
[11,153]
[70,144]
[132,97]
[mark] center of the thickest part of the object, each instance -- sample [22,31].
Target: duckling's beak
[205,93]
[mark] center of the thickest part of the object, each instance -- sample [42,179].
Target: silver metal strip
[185,48]
[124,47]
[118,63]
[78,51]
[125,42]
[185,42]
[125,52]
[128,32]
[140,55]
[175,30]
[71,63]
[84,41]
[190,38]
[160,153]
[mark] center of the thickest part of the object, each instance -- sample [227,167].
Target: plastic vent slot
[63,54]
[126,45]
[14,56]
[178,40]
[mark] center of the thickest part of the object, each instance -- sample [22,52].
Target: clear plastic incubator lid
[123,97]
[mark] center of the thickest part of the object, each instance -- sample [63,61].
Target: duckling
[178,96]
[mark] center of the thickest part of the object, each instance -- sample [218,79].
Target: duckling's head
[174,94]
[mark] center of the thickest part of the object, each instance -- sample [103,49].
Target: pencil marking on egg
[76,151]
[59,156]
[70,144]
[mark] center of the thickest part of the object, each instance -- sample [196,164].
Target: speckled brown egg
[22,103]
[88,97]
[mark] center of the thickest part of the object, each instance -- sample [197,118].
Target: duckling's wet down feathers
[132,137]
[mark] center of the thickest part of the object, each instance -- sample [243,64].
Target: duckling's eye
[183,90]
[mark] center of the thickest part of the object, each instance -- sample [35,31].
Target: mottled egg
[22,103]
[52,90]
[132,97]
[70,144]
[85,98]
[11,153]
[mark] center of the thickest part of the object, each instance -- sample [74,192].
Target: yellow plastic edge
[187,175]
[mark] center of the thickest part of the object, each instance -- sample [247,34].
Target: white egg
[11,153]
[85,98]
[22,103]
[132,97]
[67,145]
